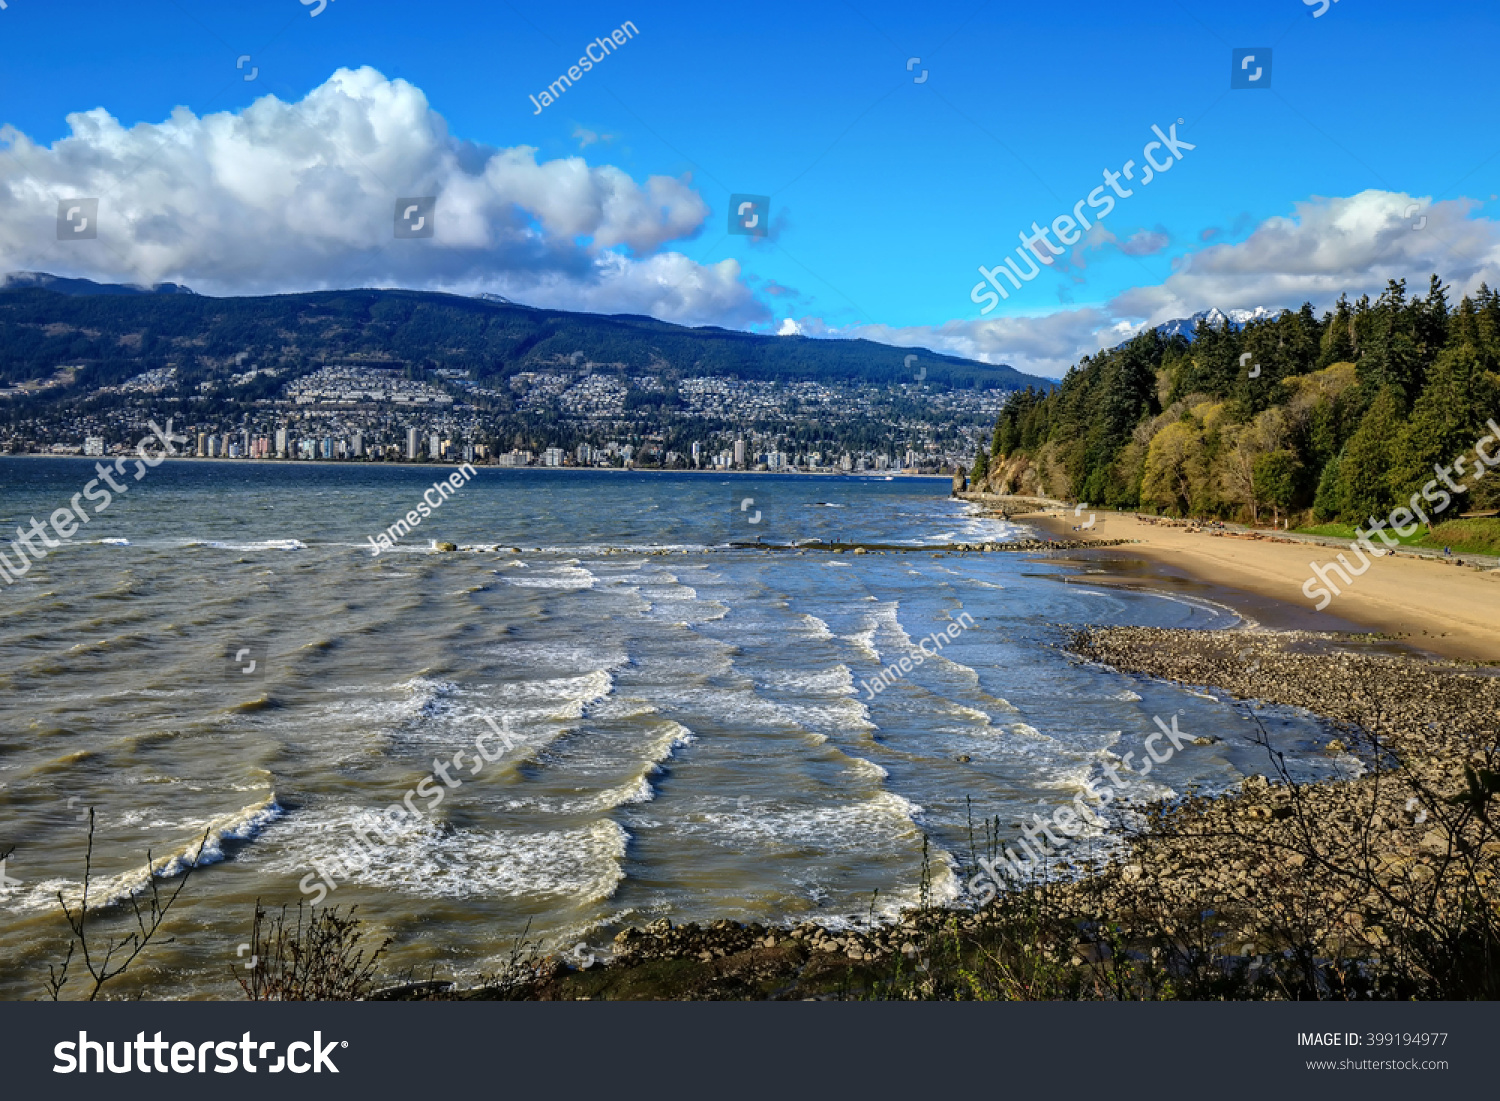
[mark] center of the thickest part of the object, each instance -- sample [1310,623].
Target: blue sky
[887,193]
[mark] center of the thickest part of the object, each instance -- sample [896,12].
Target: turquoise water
[689,733]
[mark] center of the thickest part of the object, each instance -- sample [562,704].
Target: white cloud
[291,196]
[1047,345]
[1145,242]
[1327,247]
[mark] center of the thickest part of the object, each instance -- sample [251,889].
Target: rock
[1435,841]
[447,547]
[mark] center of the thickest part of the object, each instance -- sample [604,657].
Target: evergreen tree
[1328,504]
[1432,323]
[1366,461]
[1276,480]
[1338,336]
[1445,422]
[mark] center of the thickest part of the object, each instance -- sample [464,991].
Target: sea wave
[264,545]
[206,847]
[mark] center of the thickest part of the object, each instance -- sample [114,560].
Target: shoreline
[866,475]
[1421,602]
[1240,871]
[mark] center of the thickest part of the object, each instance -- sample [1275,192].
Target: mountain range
[1237,319]
[111,332]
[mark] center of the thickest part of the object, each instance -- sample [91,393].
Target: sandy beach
[1431,605]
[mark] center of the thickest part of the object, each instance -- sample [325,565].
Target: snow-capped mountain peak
[1184,326]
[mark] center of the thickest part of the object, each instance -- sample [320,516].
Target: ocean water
[690,735]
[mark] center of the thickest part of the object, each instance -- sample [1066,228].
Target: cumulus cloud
[1327,247]
[289,196]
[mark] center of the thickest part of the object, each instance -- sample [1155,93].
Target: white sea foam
[557,698]
[423,859]
[205,847]
[667,738]
[268,544]
[564,577]
[560,655]
[837,680]
[878,821]
[867,770]
[817,627]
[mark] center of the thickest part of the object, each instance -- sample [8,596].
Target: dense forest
[1316,420]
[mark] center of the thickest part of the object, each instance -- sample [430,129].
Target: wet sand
[1428,605]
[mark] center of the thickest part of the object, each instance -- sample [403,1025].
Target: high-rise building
[359,445]
[434,447]
[94,446]
[202,445]
[281,442]
[411,445]
[739,452]
[554,457]
[697,458]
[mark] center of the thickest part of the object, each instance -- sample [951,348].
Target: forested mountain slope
[1337,418]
